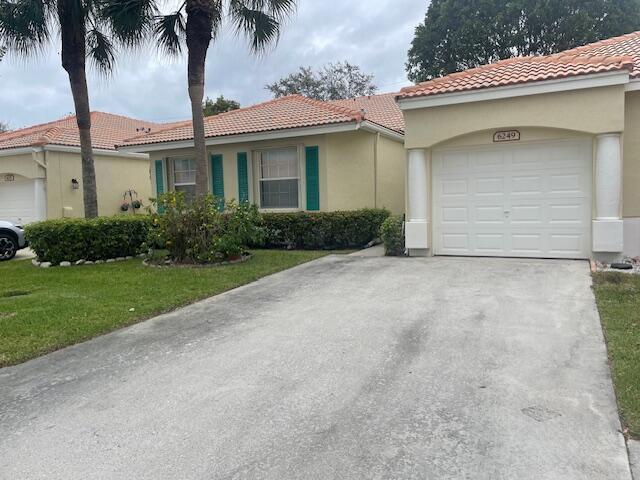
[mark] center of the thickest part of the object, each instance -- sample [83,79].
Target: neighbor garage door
[17,199]
[524,200]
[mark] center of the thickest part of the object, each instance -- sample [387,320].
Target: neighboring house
[290,154]
[524,157]
[41,173]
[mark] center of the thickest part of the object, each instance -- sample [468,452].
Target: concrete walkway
[346,368]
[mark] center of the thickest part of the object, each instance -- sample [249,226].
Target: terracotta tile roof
[293,111]
[107,130]
[605,56]
[381,109]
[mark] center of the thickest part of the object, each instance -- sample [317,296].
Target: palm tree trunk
[73,61]
[199,24]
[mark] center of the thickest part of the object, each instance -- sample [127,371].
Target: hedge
[392,236]
[322,230]
[101,238]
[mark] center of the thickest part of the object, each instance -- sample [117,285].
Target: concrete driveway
[345,368]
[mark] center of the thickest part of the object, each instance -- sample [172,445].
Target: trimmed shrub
[99,238]
[322,230]
[392,236]
[200,232]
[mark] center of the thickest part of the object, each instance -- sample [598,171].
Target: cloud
[374,34]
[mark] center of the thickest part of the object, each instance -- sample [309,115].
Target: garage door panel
[532,201]
[17,200]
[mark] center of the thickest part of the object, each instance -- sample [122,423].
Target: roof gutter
[578,82]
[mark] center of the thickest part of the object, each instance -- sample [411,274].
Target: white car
[11,240]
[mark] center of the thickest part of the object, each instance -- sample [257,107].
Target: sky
[148,85]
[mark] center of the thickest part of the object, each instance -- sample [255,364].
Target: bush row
[322,230]
[109,237]
[99,238]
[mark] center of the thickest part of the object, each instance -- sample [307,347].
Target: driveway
[345,368]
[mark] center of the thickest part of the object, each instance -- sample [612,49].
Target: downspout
[375,170]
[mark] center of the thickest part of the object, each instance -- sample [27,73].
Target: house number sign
[506,136]
[9,177]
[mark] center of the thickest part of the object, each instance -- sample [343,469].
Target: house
[41,173]
[289,154]
[528,157]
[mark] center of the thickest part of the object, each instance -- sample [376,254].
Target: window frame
[171,171]
[256,179]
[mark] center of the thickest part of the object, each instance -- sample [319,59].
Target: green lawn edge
[618,300]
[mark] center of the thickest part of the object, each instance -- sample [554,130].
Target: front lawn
[618,298]
[42,310]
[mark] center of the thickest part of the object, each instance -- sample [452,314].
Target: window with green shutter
[243,177]
[313,177]
[217,178]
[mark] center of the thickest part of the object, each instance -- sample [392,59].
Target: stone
[111,260]
[98,262]
[142,255]
[45,264]
[79,262]
[35,262]
[119,259]
[128,257]
[65,264]
[88,262]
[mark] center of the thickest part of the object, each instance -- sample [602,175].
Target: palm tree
[26,28]
[195,23]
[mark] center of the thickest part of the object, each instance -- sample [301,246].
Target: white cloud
[375,35]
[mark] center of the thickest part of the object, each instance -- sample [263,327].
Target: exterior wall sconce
[75,184]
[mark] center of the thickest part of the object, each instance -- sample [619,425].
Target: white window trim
[170,171]
[254,178]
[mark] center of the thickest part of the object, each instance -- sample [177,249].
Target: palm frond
[24,25]
[100,50]
[130,21]
[170,31]
[260,20]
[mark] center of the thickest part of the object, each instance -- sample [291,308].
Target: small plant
[199,232]
[392,236]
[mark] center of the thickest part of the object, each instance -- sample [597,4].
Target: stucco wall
[350,171]
[346,167]
[114,175]
[22,164]
[595,110]
[631,153]
[391,173]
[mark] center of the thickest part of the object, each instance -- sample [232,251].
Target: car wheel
[8,247]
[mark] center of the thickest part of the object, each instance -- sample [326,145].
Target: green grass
[618,298]
[42,310]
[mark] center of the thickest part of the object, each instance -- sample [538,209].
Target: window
[184,177]
[279,178]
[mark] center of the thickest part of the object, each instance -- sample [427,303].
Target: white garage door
[17,199]
[525,200]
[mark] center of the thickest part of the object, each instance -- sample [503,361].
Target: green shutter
[159,181]
[243,178]
[313,178]
[217,179]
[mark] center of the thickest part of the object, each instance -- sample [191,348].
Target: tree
[26,27]
[4,127]
[221,105]
[461,34]
[196,23]
[332,82]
